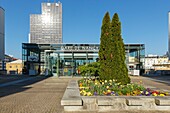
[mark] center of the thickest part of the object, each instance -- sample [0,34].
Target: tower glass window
[46,28]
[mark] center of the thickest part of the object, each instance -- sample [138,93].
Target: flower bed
[73,101]
[94,87]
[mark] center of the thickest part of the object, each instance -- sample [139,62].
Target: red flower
[155,92]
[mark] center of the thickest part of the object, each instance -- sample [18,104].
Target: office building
[47,55]
[169,35]
[63,59]
[2,37]
[46,28]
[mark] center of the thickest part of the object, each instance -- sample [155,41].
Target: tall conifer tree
[119,68]
[105,70]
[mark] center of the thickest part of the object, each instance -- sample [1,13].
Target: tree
[119,68]
[104,52]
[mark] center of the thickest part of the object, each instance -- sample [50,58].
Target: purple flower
[148,89]
[95,93]
[112,92]
[140,95]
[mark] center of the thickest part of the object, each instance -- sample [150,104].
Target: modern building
[152,60]
[169,35]
[14,67]
[2,37]
[63,59]
[158,65]
[46,28]
[46,54]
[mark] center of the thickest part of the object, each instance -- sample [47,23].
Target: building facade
[14,67]
[157,65]
[169,35]
[152,60]
[64,59]
[2,37]
[46,28]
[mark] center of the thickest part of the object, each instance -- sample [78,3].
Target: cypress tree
[119,68]
[104,52]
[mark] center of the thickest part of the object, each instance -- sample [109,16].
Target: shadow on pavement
[165,79]
[21,86]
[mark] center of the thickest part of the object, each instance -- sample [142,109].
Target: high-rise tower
[2,33]
[169,35]
[46,28]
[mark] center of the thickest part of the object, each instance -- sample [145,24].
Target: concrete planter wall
[73,101]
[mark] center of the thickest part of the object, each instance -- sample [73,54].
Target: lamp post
[50,65]
[57,65]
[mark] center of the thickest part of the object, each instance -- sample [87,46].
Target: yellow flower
[105,81]
[95,83]
[119,83]
[161,95]
[135,92]
[110,80]
[89,94]
[102,83]
[84,93]
[109,91]
[147,93]
[81,87]
[107,87]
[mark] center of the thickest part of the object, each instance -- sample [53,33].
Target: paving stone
[44,96]
[73,85]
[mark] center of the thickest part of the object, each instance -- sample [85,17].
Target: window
[48,4]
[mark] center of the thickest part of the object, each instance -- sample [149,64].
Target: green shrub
[89,70]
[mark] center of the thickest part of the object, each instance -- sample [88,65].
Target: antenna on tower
[54,1]
[48,1]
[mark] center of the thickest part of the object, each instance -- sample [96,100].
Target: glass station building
[64,59]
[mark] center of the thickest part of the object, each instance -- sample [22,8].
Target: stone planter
[73,101]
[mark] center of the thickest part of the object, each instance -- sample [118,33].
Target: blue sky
[143,21]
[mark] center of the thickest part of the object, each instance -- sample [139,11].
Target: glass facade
[46,28]
[135,56]
[2,38]
[169,35]
[63,59]
[2,34]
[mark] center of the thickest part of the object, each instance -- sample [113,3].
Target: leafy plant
[89,70]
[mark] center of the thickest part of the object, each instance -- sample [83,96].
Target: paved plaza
[43,95]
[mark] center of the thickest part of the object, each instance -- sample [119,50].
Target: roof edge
[2,8]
